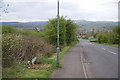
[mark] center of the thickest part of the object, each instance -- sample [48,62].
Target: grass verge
[43,70]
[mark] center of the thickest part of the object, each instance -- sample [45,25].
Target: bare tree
[3,7]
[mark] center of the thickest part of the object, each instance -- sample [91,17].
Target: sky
[41,10]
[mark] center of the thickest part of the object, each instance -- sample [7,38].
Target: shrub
[22,46]
[8,29]
[109,37]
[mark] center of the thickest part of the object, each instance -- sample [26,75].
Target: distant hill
[97,24]
[81,23]
[26,25]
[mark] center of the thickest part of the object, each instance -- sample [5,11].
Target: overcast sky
[37,10]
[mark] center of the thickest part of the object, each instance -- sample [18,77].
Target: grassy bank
[43,70]
[21,46]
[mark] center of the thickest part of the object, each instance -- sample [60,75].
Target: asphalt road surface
[89,60]
[103,60]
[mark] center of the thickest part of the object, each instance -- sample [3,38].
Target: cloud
[30,10]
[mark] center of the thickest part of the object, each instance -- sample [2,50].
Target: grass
[11,72]
[47,66]
[32,73]
[19,70]
[10,29]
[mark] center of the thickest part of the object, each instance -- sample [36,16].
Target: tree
[67,31]
[110,37]
[116,31]
[71,29]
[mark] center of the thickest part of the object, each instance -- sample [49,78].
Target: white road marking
[112,52]
[84,69]
[104,49]
[90,43]
[109,51]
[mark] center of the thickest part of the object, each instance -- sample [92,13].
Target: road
[103,60]
[89,60]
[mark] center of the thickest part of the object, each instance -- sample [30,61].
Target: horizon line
[71,19]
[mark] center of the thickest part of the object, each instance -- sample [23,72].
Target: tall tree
[67,31]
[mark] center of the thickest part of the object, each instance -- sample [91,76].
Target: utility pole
[58,22]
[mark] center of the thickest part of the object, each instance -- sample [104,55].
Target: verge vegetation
[109,38]
[21,46]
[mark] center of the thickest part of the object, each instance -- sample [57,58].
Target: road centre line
[112,52]
[105,49]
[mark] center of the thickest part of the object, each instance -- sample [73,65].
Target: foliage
[109,37]
[10,29]
[19,47]
[19,71]
[23,45]
[67,31]
[71,29]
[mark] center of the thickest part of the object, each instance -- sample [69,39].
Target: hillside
[82,23]
[26,25]
[96,23]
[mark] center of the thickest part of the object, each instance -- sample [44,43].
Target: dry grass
[22,48]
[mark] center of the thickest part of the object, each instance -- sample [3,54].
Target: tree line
[112,37]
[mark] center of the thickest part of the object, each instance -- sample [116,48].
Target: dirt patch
[39,66]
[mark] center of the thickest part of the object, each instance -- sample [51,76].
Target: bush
[109,37]
[67,31]
[19,47]
[8,29]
